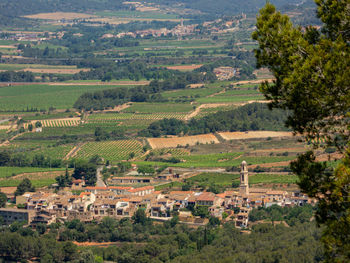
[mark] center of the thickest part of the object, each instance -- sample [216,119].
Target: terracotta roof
[141,189]
[120,187]
[222,195]
[84,193]
[77,181]
[206,197]
[275,192]
[96,188]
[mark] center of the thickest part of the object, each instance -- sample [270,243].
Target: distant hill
[232,7]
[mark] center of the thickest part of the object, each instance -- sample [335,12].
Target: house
[131,180]
[46,217]
[119,190]
[242,217]
[207,199]
[141,191]
[11,215]
[216,211]
[78,184]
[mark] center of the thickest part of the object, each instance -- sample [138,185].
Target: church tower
[244,186]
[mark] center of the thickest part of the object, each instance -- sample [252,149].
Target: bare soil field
[118,108]
[56,70]
[8,190]
[5,127]
[59,16]
[253,135]
[197,85]
[185,67]
[7,46]
[159,143]
[258,81]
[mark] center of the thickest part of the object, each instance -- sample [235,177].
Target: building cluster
[94,203]
[226,73]
[179,30]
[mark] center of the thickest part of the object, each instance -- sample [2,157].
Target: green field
[273,179]
[9,171]
[137,14]
[227,99]
[221,160]
[191,93]
[159,107]
[110,150]
[42,96]
[208,179]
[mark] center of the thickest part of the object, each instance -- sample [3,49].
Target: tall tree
[312,79]
[24,186]
[3,199]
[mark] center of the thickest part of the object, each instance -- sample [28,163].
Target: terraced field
[110,150]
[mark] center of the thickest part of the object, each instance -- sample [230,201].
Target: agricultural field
[66,122]
[173,142]
[54,152]
[111,117]
[42,96]
[273,179]
[227,160]
[231,99]
[159,108]
[110,150]
[38,68]
[12,176]
[60,16]
[253,135]
[207,179]
[176,152]
[184,67]
[191,93]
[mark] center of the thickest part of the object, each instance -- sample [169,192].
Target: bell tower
[244,186]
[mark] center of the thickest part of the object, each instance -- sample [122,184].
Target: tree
[312,76]
[30,127]
[38,124]
[140,217]
[146,169]
[24,186]
[86,170]
[3,199]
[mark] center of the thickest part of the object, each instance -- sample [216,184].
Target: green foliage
[3,199]
[146,170]
[312,80]
[254,116]
[24,186]
[87,171]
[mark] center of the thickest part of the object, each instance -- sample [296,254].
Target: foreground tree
[312,78]
[24,186]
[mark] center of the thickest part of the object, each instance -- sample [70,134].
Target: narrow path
[74,151]
[99,182]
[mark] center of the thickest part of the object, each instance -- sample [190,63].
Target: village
[88,203]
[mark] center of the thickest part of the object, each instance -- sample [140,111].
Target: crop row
[111,150]
[56,123]
[135,116]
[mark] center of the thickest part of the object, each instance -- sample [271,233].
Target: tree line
[254,116]
[140,240]
[100,100]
